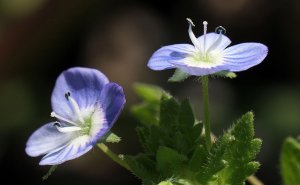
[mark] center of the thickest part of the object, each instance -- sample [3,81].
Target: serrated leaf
[290,161]
[169,161]
[143,167]
[151,138]
[198,158]
[240,152]
[186,116]
[178,76]
[214,162]
[169,109]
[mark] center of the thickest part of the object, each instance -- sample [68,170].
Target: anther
[205,23]
[190,21]
[220,30]
[67,95]
[56,124]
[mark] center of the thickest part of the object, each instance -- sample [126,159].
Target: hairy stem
[113,156]
[206,111]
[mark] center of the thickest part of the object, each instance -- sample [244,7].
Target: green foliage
[175,152]
[290,161]
[178,76]
[225,74]
[147,111]
[143,167]
[50,171]
[169,161]
[241,150]
[112,138]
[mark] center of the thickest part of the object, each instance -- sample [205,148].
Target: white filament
[67,129]
[192,35]
[204,34]
[75,108]
[54,115]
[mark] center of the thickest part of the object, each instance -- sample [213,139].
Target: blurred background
[41,38]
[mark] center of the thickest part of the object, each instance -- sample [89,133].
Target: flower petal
[243,56]
[214,41]
[112,100]
[84,84]
[46,139]
[161,58]
[72,150]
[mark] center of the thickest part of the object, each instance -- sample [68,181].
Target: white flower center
[205,55]
[88,121]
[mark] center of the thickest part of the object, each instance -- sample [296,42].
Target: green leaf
[169,109]
[226,74]
[186,116]
[198,158]
[146,113]
[165,183]
[290,161]
[149,93]
[112,138]
[178,76]
[241,150]
[143,167]
[151,138]
[214,162]
[169,161]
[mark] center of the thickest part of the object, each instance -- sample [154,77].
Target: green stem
[206,111]
[113,156]
[254,180]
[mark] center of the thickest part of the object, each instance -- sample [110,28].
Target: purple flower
[208,54]
[86,105]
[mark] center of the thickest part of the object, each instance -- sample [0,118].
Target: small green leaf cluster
[174,146]
[180,76]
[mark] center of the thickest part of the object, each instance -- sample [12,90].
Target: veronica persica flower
[209,54]
[86,105]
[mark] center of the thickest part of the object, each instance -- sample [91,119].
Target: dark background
[41,38]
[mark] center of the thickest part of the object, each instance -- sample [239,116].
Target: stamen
[66,129]
[192,35]
[67,95]
[75,107]
[220,30]
[54,115]
[56,123]
[205,23]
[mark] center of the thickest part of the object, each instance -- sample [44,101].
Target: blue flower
[86,105]
[208,54]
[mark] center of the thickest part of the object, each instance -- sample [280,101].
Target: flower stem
[254,180]
[113,156]
[206,111]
